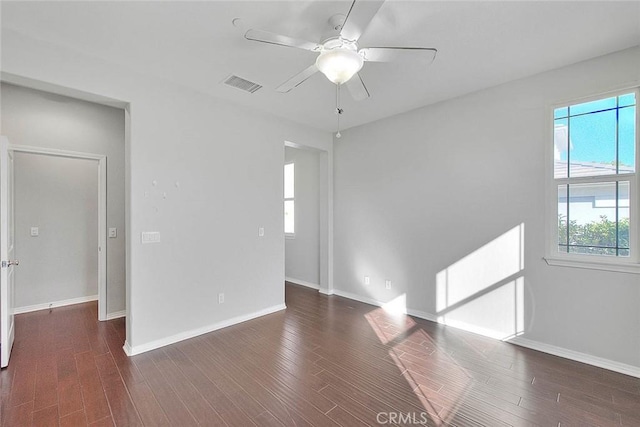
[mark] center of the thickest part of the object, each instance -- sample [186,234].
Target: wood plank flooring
[325,361]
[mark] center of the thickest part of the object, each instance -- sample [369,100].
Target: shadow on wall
[484,291]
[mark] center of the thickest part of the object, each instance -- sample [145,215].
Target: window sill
[619,267]
[289,236]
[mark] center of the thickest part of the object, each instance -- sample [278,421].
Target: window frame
[290,199]
[629,264]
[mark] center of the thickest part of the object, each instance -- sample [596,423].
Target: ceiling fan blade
[359,16]
[272,38]
[298,79]
[357,89]
[400,54]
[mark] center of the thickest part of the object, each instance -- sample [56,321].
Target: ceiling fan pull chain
[339,110]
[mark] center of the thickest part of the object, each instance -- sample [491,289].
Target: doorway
[60,216]
[308,197]
[68,123]
[58,122]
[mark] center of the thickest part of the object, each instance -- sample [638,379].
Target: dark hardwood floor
[325,361]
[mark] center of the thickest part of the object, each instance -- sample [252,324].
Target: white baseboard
[600,362]
[302,283]
[310,285]
[367,300]
[116,314]
[474,329]
[422,315]
[127,348]
[357,297]
[137,349]
[54,304]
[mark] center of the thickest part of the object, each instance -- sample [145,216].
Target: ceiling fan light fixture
[339,64]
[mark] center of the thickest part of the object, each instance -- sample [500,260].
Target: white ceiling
[480,44]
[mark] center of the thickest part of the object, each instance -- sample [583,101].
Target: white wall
[302,252]
[59,196]
[40,119]
[221,169]
[434,199]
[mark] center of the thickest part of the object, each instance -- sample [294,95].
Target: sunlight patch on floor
[418,360]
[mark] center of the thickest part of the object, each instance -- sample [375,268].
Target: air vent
[242,84]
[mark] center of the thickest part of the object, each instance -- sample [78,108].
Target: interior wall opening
[302,216]
[57,239]
[307,199]
[42,124]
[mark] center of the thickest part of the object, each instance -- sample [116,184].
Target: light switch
[260,231]
[35,231]
[113,233]
[150,237]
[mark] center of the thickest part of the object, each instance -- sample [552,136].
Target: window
[594,182]
[289,202]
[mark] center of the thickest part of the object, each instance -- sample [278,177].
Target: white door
[6,252]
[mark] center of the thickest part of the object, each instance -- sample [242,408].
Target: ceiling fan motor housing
[339,60]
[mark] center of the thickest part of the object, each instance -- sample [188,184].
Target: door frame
[102,211]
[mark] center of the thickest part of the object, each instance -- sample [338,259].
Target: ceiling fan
[340,58]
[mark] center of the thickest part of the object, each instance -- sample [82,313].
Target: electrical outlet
[150,237]
[367,280]
[220,298]
[387,284]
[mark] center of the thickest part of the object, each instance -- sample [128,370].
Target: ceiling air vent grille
[242,84]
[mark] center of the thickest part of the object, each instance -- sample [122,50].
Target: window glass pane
[628,99]
[594,139]
[289,216]
[623,218]
[589,107]
[560,112]
[560,147]
[627,139]
[289,177]
[562,218]
[592,227]
[593,144]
